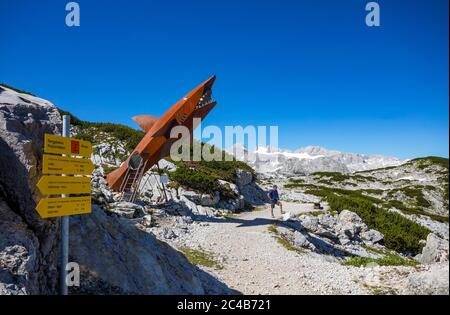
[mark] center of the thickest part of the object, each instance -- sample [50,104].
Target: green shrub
[424,162]
[373,191]
[108,169]
[201,257]
[88,130]
[204,175]
[283,241]
[415,211]
[85,136]
[341,177]
[387,260]
[195,179]
[334,176]
[413,193]
[400,234]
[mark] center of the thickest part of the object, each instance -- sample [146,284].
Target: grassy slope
[204,176]
[401,234]
[88,129]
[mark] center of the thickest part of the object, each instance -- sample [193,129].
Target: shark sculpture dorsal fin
[146,122]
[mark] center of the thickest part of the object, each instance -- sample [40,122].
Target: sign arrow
[57,207]
[55,185]
[55,164]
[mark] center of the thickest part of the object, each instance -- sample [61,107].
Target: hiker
[274,199]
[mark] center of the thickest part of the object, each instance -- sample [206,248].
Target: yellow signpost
[55,164]
[55,185]
[65,185]
[57,207]
[62,145]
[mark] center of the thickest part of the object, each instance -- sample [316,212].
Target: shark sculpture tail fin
[146,122]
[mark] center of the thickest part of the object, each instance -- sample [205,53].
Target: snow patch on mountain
[310,159]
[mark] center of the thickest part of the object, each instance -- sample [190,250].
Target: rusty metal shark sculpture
[156,143]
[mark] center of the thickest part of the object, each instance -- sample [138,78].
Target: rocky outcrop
[253,194]
[435,250]
[28,261]
[344,228]
[115,252]
[432,281]
[307,160]
[101,193]
[118,254]
[339,235]
[127,210]
[243,177]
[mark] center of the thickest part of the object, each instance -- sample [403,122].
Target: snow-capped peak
[309,159]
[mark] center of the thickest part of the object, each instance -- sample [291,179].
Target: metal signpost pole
[64,227]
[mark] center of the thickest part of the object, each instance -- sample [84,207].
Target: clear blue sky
[312,67]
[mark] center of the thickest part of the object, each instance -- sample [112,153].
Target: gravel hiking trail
[254,262]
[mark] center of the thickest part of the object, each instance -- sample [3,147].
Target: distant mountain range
[310,159]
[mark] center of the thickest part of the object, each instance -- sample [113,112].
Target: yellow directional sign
[57,207]
[55,164]
[54,185]
[62,145]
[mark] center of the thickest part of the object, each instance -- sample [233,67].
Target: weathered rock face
[124,257]
[100,190]
[127,209]
[253,194]
[435,250]
[372,236]
[434,281]
[29,244]
[116,256]
[243,177]
[337,234]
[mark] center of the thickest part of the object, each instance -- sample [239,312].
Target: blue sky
[311,67]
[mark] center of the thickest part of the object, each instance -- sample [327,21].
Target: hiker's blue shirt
[273,194]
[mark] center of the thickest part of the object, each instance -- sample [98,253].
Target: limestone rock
[300,240]
[125,257]
[434,281]
[327,221]
[191,195]
[233,187]
[311,223]
[287,216]
[101,193]
[127,209]
[253,194]
[208,200]
[347,218]
[147,220]
[435,250]
[372,236]
[28,259]
[243,177]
